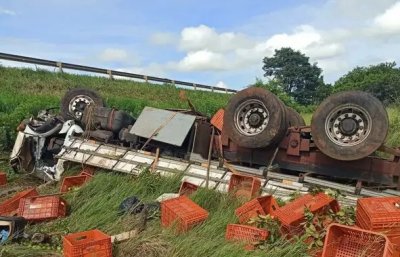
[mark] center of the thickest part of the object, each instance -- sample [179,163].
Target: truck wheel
[75,101]
[294,119]
[349,125]
[255,118]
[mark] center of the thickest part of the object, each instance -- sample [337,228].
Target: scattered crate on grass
[73,181]
[262,205]
[3,178]
[10,206]
[187,188]
[292,214]
[42,208]
[345,241]
[246,234]
[87,244]
[244,186]
[183,212]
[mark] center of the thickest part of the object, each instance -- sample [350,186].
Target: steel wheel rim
[78,104]
[348,125]
[251,117]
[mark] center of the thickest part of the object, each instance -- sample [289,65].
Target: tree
[299,78]
[381,80]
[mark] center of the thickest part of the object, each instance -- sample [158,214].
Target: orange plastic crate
[182,211]
[73,181]
[246,234]
[345,241]
[187,188]
[292,214]
[11,205]
[244,186]
[93,243]
[41,208]
[379,214]
[218,119]
[262,205]
[3,178]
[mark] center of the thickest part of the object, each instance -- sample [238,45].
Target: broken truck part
[256,132]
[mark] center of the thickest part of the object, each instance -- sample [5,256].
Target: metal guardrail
[63,65]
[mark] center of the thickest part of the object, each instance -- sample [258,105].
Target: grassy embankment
[24,92]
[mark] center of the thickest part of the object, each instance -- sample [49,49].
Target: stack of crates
[380,214]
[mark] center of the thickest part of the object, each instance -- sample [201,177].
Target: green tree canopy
[299,78]
[382,80]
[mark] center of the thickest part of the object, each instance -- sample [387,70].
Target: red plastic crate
[73,181]
[244,186]
[292,214]
[41,208]
[187,188]
[262,205]
[3,178]
[93,243]
[379,214]
[182,211]
[11,205]
[345,241]
[246,234]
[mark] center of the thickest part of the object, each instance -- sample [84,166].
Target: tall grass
[96,206]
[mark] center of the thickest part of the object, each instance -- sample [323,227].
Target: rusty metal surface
[298,154]
[218,119]
[163,126]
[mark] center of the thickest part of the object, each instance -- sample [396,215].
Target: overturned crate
[246,187]
[42,208]
[183,212]
[11,205]
[345,241]
[72,182]
[292,214]
[245,234]
[262,205]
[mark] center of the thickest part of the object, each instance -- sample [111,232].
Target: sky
[219,43]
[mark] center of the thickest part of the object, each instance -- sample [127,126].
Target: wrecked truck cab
[43,141]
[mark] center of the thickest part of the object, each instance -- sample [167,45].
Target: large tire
[349,125]
[255,118]
[75,101]
[294,119]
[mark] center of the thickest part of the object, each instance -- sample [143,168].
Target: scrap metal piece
[170,127]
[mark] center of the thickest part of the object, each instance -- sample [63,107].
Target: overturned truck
[254,132]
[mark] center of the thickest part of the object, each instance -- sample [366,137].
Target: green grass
[96,206]
[23,92]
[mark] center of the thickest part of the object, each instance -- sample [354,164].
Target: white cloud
[204,37]
[389,21]
[7,12]
[304,38]
[202,60]
[162,38]
[113,54]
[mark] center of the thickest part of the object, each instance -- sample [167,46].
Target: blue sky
[210,42]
